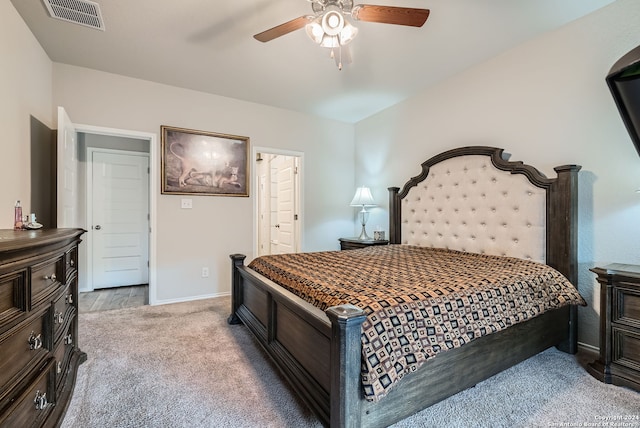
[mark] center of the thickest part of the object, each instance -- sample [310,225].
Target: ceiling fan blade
[282,29]
[390,15]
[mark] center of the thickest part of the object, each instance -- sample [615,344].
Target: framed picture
[204,163]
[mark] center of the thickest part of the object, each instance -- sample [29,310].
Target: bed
[467,201]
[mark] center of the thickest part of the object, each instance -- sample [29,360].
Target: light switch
[187,204]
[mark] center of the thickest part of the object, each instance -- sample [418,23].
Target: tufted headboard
[472,199]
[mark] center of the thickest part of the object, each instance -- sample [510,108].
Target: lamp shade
[363,198]
[314,30]
[348,33]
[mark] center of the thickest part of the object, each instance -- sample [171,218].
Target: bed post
[394,215]
[562,249]
[562,238]
[346,363]
[236,260]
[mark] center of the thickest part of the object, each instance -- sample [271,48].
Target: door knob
[98,227]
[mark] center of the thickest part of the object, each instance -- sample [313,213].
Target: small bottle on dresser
[17,217]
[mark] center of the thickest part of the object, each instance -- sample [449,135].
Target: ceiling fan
[329,27]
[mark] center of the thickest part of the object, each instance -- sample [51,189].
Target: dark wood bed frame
[320,352]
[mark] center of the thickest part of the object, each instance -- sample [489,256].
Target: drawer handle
[58,318]
[69,299]
[35,342]
[59,367]
[72,263]
[68,339]
[52,277]
[40,401]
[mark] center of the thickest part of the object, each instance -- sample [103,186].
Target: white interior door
[264,223]
[285,226]
[119,218]
[67,185]
[278,202]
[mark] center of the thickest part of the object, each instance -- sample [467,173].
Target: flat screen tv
[624,83]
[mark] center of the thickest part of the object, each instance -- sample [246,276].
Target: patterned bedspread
[419,301]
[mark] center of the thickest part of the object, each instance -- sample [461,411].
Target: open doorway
[116,197]
[129,155]
[278,184]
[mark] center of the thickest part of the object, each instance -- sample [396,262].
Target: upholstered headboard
[472,199]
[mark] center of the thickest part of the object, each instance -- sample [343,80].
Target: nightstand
[355,243]
[619,361]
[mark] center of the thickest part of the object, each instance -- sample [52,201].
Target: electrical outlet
[186,204]
[205,272]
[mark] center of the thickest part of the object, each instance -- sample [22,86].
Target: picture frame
[203,163]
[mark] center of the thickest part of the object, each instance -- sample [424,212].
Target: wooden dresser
[39,355]
[619,361]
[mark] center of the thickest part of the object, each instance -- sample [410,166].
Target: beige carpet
[181,365]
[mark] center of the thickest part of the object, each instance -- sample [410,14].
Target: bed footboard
[319,353]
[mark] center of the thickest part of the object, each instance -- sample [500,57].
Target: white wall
[25,88]
[188,240]
[546,102]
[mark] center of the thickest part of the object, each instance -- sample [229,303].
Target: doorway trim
[154,186]
[299,193]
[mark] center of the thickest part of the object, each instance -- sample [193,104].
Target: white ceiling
[207,45]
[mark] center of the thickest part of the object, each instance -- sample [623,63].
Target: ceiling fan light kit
[332,21]
[329,27]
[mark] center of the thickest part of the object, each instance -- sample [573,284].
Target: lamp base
[363,235]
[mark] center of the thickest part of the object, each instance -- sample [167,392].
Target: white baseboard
[588,347]
[189,299]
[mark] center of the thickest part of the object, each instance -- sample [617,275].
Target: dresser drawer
[71,262]
[62,356]
[13,295]
[32,406]
[21,348]
[46,278]
[626,305]
[626,347]
[62,312]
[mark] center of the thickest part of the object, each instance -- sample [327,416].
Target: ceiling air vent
[81,12]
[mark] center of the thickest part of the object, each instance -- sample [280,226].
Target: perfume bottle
[17,218]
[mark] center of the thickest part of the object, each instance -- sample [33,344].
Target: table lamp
[363,199]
